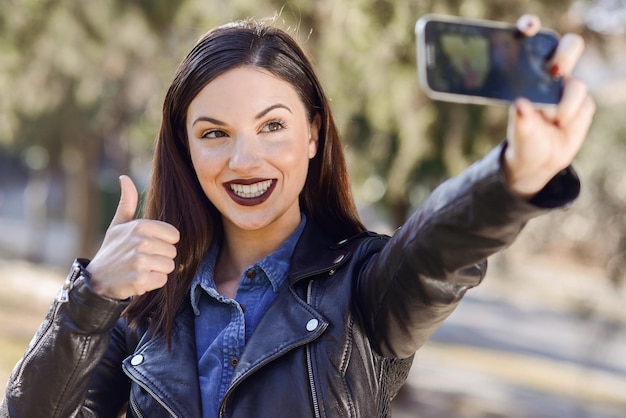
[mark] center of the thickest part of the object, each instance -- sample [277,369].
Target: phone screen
[490,62]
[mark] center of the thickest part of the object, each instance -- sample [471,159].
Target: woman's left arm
[419,277]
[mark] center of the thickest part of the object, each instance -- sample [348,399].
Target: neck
[242,248]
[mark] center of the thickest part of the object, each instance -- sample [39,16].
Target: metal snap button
[338,259]
[312,325]
[136,360]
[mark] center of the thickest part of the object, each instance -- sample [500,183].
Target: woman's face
[250,142]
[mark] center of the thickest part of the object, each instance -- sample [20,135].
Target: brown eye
[213,134]
[273,126]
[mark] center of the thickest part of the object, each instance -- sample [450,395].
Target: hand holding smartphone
[485,62]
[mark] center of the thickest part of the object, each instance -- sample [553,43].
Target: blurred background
[81,88]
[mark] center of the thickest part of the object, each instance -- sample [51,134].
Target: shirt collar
[203,279]
[275,266]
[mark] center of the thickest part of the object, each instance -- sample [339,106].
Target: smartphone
[484,62]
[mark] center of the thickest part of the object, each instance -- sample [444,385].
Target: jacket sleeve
[53,377]
[419,276]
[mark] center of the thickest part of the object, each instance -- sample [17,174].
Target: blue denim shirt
[223,325]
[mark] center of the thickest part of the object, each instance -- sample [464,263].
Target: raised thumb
[128,202]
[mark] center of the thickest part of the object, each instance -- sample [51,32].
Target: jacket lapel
[290,322]
[169,376]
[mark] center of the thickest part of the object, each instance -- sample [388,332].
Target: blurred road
[535,348]
[515,363]
[546,341]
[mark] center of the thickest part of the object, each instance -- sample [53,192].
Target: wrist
[79,273]
[523,182]
[87,311]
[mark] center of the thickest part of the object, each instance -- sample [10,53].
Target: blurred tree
[85,81]
[78,78]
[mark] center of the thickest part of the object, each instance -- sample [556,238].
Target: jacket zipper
[38,344]
[309,362]
[151,393]
[316,408]
[134,407]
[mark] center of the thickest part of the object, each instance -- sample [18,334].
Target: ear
[314,131]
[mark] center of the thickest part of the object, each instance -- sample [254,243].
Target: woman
[252,288]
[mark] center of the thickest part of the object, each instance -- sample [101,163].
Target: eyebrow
[257,116]
[272,107]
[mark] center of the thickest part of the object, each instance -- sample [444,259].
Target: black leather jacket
[337,342]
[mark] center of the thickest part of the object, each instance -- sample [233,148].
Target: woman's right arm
[72,366]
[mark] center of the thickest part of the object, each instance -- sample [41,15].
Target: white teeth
[251,190]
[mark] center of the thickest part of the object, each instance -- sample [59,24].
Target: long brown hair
[175,195]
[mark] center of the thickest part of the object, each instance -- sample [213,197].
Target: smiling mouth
[249,191]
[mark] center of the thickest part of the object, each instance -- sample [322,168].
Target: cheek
[293,158]
[205,164]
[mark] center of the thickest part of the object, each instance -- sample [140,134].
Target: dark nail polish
[555,70]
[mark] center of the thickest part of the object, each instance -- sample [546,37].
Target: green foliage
[86,80]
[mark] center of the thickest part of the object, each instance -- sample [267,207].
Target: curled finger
[566,55]
[155,246]
[574,95]
[149,282]
[528,24]
[583,119]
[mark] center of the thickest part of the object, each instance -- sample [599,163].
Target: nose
[244,157]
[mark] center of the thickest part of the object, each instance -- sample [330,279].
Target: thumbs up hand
[136,255]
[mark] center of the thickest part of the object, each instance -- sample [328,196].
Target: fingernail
[526,23]
[555,70]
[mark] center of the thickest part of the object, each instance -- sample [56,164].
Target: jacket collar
[316,253]
[290,320]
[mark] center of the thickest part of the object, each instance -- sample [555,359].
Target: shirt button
[312,324]
[251,274]
[136,360]
[234,361]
